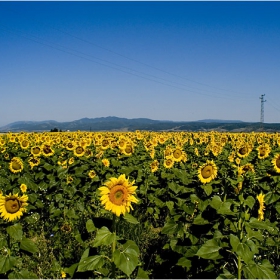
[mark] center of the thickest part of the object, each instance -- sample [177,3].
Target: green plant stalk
[114,247]
[239,268]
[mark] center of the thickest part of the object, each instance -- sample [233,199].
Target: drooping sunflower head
[117,194]
[154,166]
[207,172]
[12,206]
[276,163]
[16,165]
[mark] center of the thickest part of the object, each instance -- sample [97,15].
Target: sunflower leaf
[104,237]
[28,245]
[128,217]
[90,226]
[127,258]
[15,231]
[90,263]
[6,263]
[23,274]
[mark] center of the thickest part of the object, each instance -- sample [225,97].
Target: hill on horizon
[112,123]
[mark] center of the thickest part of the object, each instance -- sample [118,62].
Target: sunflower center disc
[243,151]
[12,205]
[278,162]
[177,154]
[118,195]
[16,166]
[207,171]
[79,150]
[36,151]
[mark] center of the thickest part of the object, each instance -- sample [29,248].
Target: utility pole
[262,109]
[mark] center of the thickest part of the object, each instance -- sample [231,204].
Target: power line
[66,50]
[132,59]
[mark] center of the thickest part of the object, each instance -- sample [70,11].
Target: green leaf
[258,271]
[28,245]
[170,227]
[128,217]
[244,252]
[234,241]
[127,258]
[104,237]
[23,274]
[6,263]
[170,205]
[90,263]
[209,250]
[225,209]
[250,201]
[200,221]
[184,262]
[142,274]
[15,231]
[71,270]
[208,189]
[216,202]
[226,275]
[90,226]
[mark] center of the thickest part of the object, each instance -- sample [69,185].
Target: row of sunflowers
[139,204]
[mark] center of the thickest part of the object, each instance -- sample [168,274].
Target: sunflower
[24,144]
[12,206]
[178,154]
[47,150]
[128,150]
[23,188]
[16,165]
[79,151]
[263,151]
[207,172]
[260,198]
[106,162]
[117,194]
[168,162]
[276,163]
[36,151]
[92,174]
[34,161]
[154,166]
[244,150]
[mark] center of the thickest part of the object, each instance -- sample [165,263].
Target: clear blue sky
[180,61]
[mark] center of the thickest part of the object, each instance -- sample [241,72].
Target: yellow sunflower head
[12,206]
[106,162]
[207,172]
[23,188]
[117,194]
[16,165]
[276,163]
[92,174]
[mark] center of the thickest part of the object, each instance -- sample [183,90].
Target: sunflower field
[139,205]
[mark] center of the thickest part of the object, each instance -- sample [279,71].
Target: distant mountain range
[124,124]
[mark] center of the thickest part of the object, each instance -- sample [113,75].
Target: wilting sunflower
[16,165]
[117,194]
[207,172]
[276,163]
[260,198]
[12,206]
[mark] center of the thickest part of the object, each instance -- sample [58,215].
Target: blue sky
[180,61]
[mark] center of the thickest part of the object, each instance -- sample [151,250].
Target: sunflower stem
[114,246]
